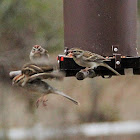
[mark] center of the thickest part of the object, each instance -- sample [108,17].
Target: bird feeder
[107,28]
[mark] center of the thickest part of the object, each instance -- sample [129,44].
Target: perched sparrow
[40,57]
[89,59]
[38,53]
[35,83]
[36,56]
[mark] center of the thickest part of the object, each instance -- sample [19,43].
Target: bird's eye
[18,81]
[40,49]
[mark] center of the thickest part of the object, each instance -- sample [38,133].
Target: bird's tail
[66,96]
[108,67]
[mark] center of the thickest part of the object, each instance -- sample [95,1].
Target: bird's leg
[38,101]
[94,66]
[86,69]
[44,100]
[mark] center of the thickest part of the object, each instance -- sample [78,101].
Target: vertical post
[96,25]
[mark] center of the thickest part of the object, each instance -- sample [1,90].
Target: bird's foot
[43,100]
[37,102]
[86,69]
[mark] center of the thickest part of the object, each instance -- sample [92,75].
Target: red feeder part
[62,59]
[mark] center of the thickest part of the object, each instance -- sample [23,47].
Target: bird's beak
[70,54]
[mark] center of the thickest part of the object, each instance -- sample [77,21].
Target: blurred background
[29,22]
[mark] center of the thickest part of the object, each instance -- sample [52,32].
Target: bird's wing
[41,76]
[92,57]
[35,67]
[46,52]
[47,68]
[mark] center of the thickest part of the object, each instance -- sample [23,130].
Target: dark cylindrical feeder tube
[96,25]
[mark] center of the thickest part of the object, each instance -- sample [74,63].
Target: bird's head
[37,50]
[18,80]
[28,71]
[76,52]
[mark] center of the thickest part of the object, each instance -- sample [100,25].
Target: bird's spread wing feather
[31,69]
[47,68]
[45,76]
[35,67]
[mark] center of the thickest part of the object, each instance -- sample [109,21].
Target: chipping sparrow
[89,59]
[40,57]
[38,53]
[35,83]
[38,65]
